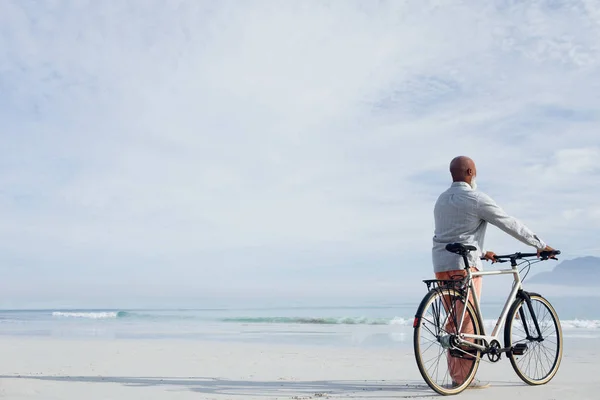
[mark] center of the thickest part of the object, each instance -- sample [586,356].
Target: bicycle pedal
[519,349]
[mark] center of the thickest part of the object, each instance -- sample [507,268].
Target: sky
[155,153]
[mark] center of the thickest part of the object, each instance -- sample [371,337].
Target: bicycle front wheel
[447,368]
[535,358]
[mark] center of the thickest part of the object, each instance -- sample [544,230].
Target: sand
[54,368]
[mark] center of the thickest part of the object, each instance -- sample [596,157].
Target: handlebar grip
[548,254]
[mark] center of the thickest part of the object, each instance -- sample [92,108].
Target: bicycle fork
[539,337]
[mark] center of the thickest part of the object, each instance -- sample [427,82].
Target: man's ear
[470,171]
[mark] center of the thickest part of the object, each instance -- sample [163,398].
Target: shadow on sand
[245,388]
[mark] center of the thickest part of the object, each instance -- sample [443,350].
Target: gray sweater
[461,216]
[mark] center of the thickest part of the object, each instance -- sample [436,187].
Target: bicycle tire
[551,333]
[422,322]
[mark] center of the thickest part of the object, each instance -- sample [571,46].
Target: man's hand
[547,248]
[490,256]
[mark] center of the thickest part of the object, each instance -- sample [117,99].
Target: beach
[85,368]
[349,352]
[243,200]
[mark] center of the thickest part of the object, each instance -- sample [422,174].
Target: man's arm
[489,211]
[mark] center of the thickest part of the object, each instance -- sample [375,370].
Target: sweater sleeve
[489,211]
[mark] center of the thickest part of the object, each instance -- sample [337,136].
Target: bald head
[462,169]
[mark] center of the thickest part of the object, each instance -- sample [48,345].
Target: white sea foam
[580,324]
[92,315]
[400,321]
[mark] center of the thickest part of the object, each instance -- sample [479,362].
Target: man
[461,216]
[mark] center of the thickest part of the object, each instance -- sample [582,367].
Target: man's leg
[459,367]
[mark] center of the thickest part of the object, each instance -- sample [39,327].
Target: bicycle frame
[517,285]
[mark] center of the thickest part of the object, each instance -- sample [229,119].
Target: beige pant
[460,367]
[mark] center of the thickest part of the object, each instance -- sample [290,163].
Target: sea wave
[310,320]
[320,320]
[91,315]
[580,324]
[489,324]
[568,324]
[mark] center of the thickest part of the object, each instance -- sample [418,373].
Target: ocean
[385,325]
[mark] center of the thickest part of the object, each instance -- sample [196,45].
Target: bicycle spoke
[433,343]
[426,327]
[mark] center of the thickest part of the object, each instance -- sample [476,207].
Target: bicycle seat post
[466,260]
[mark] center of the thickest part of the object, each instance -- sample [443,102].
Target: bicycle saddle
[459,248]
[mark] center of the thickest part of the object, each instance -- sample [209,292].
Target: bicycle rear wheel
[534,359]
[447,368]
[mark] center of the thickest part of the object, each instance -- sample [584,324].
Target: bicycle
[457,337]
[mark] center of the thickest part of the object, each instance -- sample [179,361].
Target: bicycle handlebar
[544,255]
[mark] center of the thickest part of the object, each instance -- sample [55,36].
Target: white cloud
[144,137]
[570,163]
